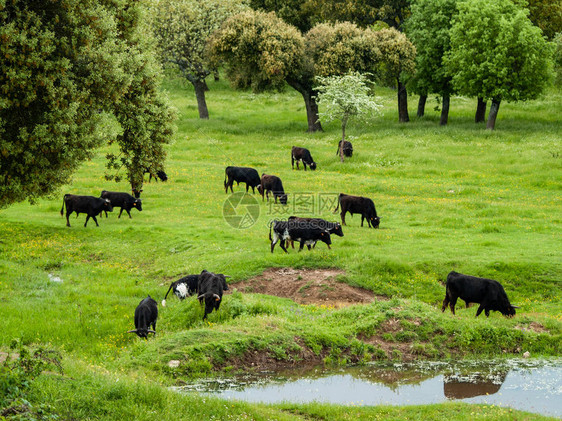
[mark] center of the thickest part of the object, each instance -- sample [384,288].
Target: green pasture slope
[451,198]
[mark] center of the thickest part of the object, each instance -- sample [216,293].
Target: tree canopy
[428,28]
[497,53]
[62,64]
[183,28]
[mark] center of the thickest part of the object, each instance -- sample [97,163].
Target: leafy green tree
[497,53]
[345,97]
[261,51]
[547,15]
[182,29]
[294,12]
[63,63]
[397,60]
[428,28]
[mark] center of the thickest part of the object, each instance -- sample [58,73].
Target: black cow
[146,314]
[358,204]
[486,292]
[272,183]
[90,205]
[210,288]
[241,175]
[347,148]
[183,287]
[159,175]
[330,227]
[304,232]
[122,200]
[302,154]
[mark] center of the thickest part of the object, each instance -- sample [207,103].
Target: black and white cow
[241,175]
[347,149]
[146,314]
[306,233]
[122,200]
[272,183]
[90,205]
[183,287]
[358,204]
[302,154]
[330,227]
[210,288]
[471,289]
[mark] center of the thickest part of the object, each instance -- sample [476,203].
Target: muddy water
[534,386]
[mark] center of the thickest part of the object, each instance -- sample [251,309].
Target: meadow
[459,197]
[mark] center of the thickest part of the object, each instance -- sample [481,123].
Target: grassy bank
[451,198]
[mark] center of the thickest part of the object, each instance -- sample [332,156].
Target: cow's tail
[337,207]
[270,225]
[225,178]
[63,202]
[166,296]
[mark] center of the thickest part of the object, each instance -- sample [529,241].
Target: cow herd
[209,287]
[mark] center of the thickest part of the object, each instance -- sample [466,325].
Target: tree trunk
[421,105]
[402,103]
[445,110]
[494,108]
[343,124]
[480,116]
[216,75]
[200,86]
[309,96]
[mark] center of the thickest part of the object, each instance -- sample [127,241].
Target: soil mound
[308,286]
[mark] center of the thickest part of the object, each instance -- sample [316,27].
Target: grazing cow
[241,175]
[272,183]
[486,292]
[90,205]
[183,287]
[358,204]
[304,232]
[330,227]
[146,314]
[122,200]
[302,154]
[210,288]
[347,149]
[159,175]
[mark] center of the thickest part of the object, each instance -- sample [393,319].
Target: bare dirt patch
[308,286]
[532,327]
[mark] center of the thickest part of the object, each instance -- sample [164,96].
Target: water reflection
[462,387]
[534,386]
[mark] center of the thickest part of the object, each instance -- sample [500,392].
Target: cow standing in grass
[241,175]
[183,287]
[471,289]
[146,314]
[122,200]
[358,204]
[90,205]
[330,227]
[273,184]
[210,288]
[303,155]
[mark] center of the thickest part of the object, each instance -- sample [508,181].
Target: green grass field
[451,198]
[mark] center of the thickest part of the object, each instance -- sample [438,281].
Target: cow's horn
[515,306]
[227,276]
[151,331]
[132,331]
[201,296]
[217,298]
[163,303]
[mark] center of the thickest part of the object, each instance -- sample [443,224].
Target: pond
[528,385]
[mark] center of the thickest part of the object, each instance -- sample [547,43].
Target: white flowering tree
[345,97]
